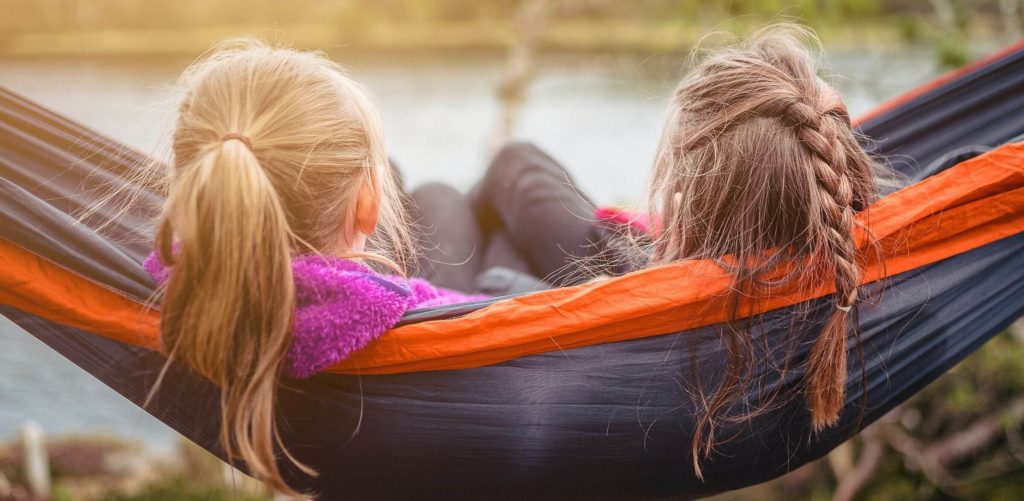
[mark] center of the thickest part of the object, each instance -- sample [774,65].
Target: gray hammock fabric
[612,420]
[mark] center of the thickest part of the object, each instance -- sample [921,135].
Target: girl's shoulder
[341,306]
[429,295]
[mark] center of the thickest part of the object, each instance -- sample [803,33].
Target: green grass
[674,34]
[179,488]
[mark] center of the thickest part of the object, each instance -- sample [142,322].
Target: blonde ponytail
[239,286]
[270,149]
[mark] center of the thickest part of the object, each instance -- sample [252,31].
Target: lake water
[599,115]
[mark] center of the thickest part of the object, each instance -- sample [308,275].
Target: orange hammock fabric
[972,204]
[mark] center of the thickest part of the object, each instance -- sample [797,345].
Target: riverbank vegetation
[97,468]
[121,27]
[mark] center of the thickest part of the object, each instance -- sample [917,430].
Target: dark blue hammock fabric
[606,421]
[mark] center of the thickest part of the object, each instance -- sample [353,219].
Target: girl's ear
[368,203]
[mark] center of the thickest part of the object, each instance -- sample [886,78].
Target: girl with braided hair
[760,170]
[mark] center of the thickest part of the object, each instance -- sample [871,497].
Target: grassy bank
[576,34]
[98,468]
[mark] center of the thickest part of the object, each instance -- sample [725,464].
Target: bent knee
[512,159]
[434,190]
[517,148]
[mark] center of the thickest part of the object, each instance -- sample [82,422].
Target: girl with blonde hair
[279,197]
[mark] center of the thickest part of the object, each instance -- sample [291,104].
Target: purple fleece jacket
[341,306]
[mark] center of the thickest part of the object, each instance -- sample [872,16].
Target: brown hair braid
[826,374]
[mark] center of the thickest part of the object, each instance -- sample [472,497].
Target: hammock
[573,392]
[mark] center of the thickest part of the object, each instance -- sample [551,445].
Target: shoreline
[565,36]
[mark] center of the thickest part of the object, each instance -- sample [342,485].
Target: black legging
[526,215]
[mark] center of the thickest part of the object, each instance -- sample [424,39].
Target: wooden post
[37,463]
[531,20]
[6,490]
[1010,10]
[1017,330]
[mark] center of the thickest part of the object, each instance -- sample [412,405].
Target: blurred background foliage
[187,26]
